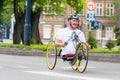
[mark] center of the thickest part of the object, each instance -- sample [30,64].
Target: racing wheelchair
[78,61]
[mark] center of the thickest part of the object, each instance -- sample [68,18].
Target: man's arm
[59,43]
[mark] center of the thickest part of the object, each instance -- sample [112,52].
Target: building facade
[103,9]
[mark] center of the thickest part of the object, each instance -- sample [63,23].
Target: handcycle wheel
[75,65]
[51,55]
[82,52]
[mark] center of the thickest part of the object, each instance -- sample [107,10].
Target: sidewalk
[11,41]
[7,41]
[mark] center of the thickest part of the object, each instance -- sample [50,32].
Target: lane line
[55,74]
[23,67]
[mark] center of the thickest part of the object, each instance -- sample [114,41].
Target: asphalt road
[14,67]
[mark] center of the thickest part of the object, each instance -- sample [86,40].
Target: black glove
[65,43]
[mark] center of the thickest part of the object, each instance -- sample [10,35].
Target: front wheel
[51,55]
[75,65]
[82,51]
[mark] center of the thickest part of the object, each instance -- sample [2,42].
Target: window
[109,9]
[99,9]
[109,32]
[47,31]
[99,34]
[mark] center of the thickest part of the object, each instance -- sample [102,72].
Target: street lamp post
[27,27]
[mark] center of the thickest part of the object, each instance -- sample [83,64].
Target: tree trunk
[35,27]
[19,25]
[18,34]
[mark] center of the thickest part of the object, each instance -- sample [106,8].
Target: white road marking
[89,67]
[64,75]
[23,67]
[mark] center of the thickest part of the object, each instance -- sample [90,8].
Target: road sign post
[91,6]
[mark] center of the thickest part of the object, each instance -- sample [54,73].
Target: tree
[116,17]
[117,31]
[1,9]
[37,7]
[118,41]
[92,41]
[77,5]
[7,11]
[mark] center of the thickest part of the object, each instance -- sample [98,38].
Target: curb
[21,52]
[92,56]
[105,57]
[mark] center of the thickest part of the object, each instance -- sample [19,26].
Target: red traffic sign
[91,5]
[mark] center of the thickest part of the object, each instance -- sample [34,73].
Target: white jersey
[65,35]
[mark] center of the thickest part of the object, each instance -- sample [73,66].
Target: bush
[110,44]
[118,41]
[92,41]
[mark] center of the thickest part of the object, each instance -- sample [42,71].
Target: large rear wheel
[51,55]
[82,51]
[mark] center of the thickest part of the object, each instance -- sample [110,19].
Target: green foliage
[52,7]
[44,47]
[55,7]
[31,47]
[21,5]
[116,30]
[116,3]
[77,5]
[7,12]
[110,44]
[92,41]
[118,41]
[105,50]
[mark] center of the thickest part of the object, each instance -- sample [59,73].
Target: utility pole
[27,27]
